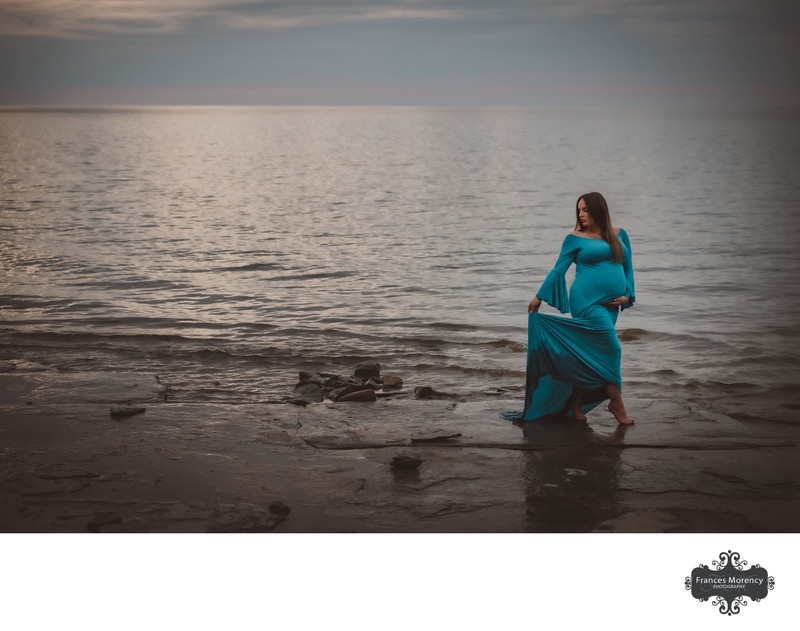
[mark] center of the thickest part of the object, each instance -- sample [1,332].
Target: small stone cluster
[366,384]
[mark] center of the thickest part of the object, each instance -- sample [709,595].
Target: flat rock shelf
[327,467]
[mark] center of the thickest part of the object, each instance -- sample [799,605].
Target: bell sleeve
[554,288]
[627,265]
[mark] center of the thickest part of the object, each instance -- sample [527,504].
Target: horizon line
[24,107]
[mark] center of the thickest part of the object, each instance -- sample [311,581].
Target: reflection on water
[238,246]
[571,478]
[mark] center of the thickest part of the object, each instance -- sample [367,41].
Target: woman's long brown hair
[598,210]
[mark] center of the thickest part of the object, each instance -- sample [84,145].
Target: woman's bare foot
[620,414]
[577,412]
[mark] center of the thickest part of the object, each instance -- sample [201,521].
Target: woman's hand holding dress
[617,302]
[534,304]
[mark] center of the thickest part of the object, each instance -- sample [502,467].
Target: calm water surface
[225,249]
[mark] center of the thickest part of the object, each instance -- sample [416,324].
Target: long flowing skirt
[564,353]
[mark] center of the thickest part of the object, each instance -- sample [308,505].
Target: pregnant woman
[574,363]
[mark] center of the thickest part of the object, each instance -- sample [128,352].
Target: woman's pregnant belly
[596,284]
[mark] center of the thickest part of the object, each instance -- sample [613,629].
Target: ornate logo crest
[729,583]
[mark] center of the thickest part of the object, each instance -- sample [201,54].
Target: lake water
[226,249]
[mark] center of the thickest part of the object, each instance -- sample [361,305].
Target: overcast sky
[540,53]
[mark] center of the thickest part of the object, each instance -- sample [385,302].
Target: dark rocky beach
[128,458]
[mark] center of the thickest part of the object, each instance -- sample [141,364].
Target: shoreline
[327,467]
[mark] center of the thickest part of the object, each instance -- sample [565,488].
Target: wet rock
[392,381]
[126,412]
[65,475]
[389,393]
[106,518]
[644,521]
[242,517]
[426,392]
[279,509]
[309,392]
[316,386]
[368,370]
[338,393]
[359,396]
[433,437]
[333,382]
[334,394]
[406,461]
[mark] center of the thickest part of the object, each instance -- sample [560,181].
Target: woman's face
[584,217]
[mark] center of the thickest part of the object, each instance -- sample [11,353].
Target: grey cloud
[81,18]
[407,51]
[84,18]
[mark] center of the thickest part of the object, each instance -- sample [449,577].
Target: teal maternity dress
[583,350]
